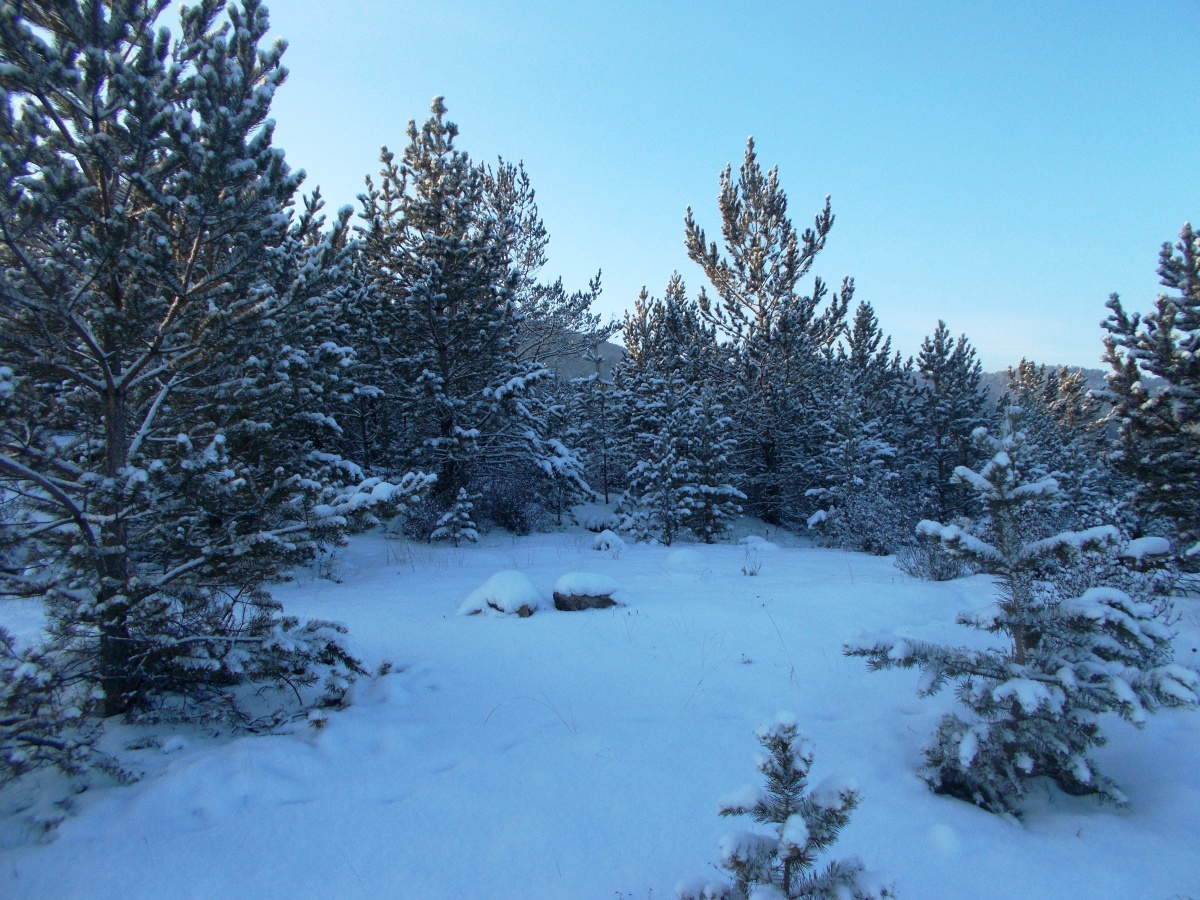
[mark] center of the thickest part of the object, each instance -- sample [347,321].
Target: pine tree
[456,524]
[594,410]
[805,824]
[947,404]
[1035,704]
[711,500]
[1159,425]
[777,335]
[862,503]
[676,431]
[165,355]
[1061,421]
[440,312]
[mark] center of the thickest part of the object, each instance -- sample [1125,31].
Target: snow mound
[685,557]
[508,592]
[587,584]
[757,542]
[608,540]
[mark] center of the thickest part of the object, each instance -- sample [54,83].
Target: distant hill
[574,367]
[997,382]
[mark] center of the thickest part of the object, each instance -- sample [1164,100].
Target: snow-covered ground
[582,754]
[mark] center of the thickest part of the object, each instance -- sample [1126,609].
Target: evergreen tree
[441,313]
[675,427]
[1063,432]
[165,355]
[456,524]
[1160,424]
[1035,704]
[805,824]
[711,500]
[594,410]
[863,506]
[947,404]
[776,334]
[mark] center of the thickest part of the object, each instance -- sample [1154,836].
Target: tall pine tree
[165,355]
[442,319]
[1160,424]
[776,333]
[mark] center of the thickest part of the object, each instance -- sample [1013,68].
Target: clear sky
[1002,166]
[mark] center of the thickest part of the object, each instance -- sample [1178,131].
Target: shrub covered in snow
[509,593]
[608,540]
[929,562]
[804,824]
[596,518]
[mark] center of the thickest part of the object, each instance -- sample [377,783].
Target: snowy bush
[869,518]
[608,540]
[804,824]
[1035,702]
[421,519]
[508,593]
[928,561]
[515,503]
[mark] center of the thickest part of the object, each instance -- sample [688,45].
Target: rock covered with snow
[508,593]
[758,543]
[585,590]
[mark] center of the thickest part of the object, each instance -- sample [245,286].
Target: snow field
[583,754]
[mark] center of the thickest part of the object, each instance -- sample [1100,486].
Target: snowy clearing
[583,754]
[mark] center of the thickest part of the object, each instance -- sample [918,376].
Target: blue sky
[1001,166]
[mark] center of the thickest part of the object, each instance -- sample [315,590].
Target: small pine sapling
[805,823]
[456,524]
[1035,702]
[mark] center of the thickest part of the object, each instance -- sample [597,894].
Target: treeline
[205,381]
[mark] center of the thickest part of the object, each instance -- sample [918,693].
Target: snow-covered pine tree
[805,824]
[862,504]
[1034,703]
[947,403]
[1062,430]
[594,413]
[711,500]
[1160,425]
[675,427]
[164,357]
[441,313]
[658,492]
[456,524]
[776,334]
